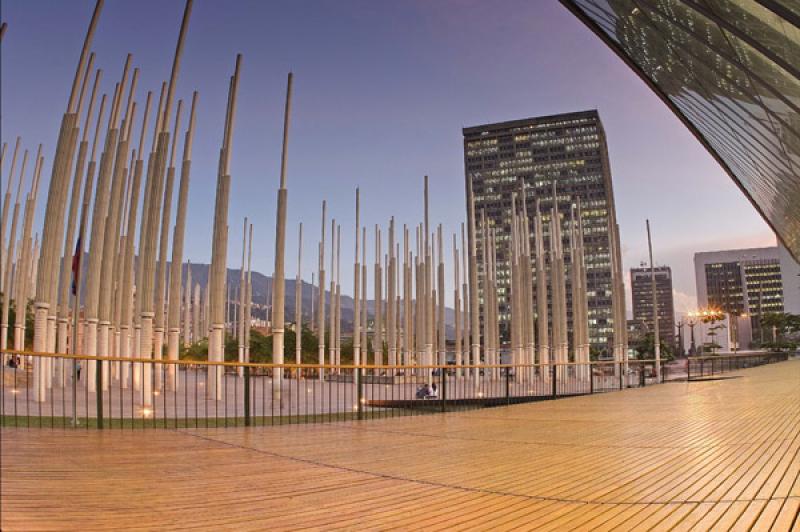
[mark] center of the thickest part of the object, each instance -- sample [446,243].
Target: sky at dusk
[382,90]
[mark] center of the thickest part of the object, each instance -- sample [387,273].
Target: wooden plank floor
[722,454]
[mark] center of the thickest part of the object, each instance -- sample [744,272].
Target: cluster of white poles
[136,303]
[97,200]
[409,325]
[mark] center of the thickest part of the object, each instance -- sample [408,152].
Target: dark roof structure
[730,71]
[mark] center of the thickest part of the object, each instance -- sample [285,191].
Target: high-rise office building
[568,150]
[752,281]
[642,296]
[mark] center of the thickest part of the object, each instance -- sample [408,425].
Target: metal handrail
[748,354]
[270,365]
[149,392]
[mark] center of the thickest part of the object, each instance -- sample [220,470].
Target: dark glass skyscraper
[568,150]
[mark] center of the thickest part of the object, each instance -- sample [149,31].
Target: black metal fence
[51,390]
[710,366]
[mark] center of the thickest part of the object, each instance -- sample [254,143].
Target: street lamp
[712,316]
[692,321]
[708,315]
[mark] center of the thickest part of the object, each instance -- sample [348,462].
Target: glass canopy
[730,70]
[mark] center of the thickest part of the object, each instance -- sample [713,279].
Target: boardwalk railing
[709,366]
[56,390]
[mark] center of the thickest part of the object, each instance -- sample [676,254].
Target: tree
[712,344]
[596,353]
[196,351]
[784,327]
[261,347]
[645,348]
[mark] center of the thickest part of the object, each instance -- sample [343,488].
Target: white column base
[124,352]
[173,341]
[146,351]
[277,358]
[137,353]
[91,350]
[158,354]
[102,350]
[40,345]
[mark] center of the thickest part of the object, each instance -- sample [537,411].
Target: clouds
[684,302]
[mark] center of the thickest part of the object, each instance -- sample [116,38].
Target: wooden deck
[715,454]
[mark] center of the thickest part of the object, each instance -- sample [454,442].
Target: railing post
[444,388]
[74,392]
[553,378]
[591,379]
[621,375]
[247,396]
[99,393]
[688,369]
[508,386]
[642,380]
[360,393]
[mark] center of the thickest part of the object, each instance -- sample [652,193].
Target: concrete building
[748,282]
[570,151]
[642,298]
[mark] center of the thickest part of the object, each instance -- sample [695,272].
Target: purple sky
[382,90]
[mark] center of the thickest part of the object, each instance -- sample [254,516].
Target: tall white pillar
[278,282]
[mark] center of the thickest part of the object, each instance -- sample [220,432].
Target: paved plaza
[715,454]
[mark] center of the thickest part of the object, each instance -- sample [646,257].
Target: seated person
[434,392]
[423,391]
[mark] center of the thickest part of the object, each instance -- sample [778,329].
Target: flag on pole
[76,265]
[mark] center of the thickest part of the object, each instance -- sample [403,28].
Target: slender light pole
[321,300]
[75,198]
[4,262]
[656,337]
[52,231]
[179,231]
[28,255]
[377,338]
[559,311]
[338,321]
[248,310]
[338,296]
[365,357]
[215,314]
[391,318]
[357,292]
[332,303]
[280,248]
[457,307]
[474,326]
[298,302]
[240,328]
[12,241]
[161,276]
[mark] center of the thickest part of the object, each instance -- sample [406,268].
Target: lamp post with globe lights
[711,316]
[691,320]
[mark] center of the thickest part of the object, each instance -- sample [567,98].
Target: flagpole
[76,283]
[76,292]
